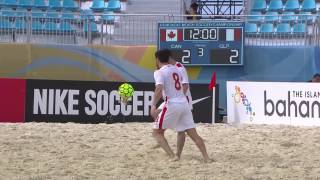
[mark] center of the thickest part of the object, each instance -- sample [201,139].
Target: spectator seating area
[90,17]
[55,15]
[72,5]
[281,16]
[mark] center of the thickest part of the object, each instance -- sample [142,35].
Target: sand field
[124,151]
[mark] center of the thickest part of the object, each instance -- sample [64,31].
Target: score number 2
[235,55]
[186,55]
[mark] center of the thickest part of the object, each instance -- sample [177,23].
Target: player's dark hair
[163,55]
[316,75]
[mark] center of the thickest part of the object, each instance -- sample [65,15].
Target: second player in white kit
[185,78]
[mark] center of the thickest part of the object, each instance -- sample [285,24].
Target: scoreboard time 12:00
[202,43]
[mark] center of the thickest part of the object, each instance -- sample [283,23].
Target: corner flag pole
[212,87]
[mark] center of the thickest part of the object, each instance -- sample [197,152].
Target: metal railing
[136,29]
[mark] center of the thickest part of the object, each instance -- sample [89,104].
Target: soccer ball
[126,90]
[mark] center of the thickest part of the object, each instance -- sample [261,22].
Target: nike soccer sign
[97,102]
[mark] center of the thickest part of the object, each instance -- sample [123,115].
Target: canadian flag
[171,34]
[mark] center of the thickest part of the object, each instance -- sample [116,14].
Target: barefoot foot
[208,160]
[155,146]
[175,158]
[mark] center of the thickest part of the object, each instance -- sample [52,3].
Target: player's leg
[158,145]
[161,140]
[187,124]
[166,119]
[181,137]
[199,142]
[159,111]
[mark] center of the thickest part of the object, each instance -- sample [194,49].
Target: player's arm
[185,87]
[185,80]
[156,97]
[157,93]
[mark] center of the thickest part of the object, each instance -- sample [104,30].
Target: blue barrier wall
[136,63]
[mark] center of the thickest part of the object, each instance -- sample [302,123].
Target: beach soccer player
[176,113]
[181,136]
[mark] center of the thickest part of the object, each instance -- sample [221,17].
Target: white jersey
[170,77]
[185,80]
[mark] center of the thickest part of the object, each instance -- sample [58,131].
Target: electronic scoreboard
[203,43]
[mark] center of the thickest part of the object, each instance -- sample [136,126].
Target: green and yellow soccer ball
[126,90]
